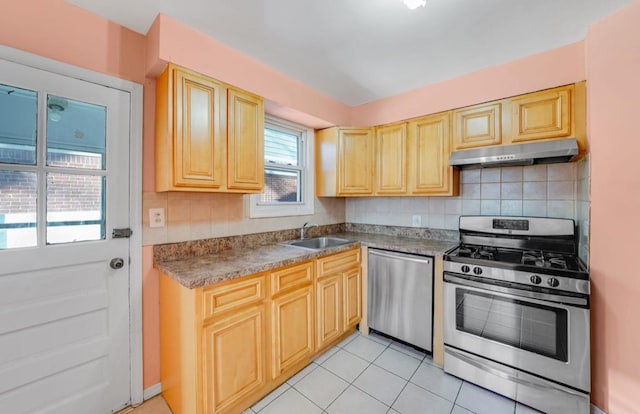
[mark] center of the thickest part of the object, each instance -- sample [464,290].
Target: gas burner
[485,253]
[556,260]
[465,251]
[477,252]
[533,258]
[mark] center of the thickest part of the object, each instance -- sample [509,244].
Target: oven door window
[518,323]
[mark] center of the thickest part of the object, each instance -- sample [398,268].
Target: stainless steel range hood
[543,152]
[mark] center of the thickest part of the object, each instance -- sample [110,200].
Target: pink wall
[57,30]
[555,67]
[613,67]
[172,41]
[150,319]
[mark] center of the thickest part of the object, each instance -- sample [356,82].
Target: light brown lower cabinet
[234,358]
[352,297]
[328,293]
[225,346]
[338,296]
[291,329]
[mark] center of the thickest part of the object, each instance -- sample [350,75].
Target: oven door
[537,335]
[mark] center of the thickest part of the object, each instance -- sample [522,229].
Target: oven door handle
[567,300]
[513,378]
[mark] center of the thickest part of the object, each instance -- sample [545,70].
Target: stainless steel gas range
[516,317]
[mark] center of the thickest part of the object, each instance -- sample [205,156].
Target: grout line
[270,402]
[359,375]
[312,402]
[399,394]
[338,396]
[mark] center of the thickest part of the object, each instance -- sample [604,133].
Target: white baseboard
[156,389]
[596,410]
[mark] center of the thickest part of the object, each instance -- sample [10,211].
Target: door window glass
[75,208]
[76,133]
[18,190]
[18,125]
[525,325]
[71,181]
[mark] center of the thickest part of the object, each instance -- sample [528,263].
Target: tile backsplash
[539,190]
[197,216]
[553,190]
[582,207]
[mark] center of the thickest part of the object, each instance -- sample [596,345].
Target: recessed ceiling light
[414,4]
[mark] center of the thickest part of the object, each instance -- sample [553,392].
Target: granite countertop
[194,272]
[426,247]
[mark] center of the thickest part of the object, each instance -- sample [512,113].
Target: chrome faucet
[305,228]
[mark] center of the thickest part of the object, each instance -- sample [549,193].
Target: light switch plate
[156,217]
[416,220]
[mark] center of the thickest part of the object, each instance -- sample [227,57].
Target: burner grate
[533,258]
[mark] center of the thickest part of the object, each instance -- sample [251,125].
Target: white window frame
[307,181]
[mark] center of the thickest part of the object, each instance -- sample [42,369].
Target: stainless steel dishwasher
[401,296]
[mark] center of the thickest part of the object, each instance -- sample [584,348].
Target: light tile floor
[371,375]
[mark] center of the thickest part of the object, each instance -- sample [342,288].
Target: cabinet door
[391,167]
[429,170]
[477,126]
[352,297]
[198,136]
[292,329]
[245,136]
[355,162]
[328,309]
[541,115]
[234,359]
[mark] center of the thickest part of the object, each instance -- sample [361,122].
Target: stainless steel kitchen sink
[318,243]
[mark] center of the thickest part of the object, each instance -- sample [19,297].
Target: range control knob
[553,282]
[477,270]
[465,268]
[535,279]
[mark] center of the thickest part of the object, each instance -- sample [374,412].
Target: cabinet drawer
[338,262]
[218,299]
[290,277]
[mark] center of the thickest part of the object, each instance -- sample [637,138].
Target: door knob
[117,263]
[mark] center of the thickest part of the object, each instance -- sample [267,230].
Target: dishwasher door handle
[390,255]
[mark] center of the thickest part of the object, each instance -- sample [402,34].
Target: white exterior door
[64,187]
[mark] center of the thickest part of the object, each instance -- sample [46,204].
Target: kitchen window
[288,171]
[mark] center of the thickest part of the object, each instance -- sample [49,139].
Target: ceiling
[358,51]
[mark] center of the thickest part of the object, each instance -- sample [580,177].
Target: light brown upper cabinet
[209,135]
[477,126]
[429,141]
[555,113]
[542,115]
[344,162]
[245,141]
[391,155]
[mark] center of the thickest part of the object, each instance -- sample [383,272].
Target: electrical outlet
[156,217]
[416,220]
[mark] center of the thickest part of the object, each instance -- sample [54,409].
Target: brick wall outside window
[65,192]
[279,188]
